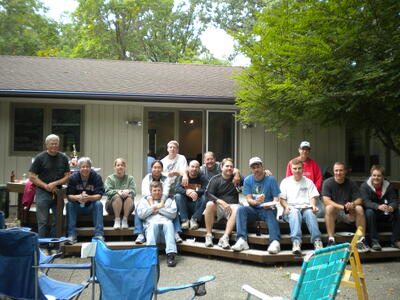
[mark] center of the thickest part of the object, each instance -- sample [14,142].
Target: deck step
[254,255]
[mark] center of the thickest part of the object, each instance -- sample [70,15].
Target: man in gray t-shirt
[343,203]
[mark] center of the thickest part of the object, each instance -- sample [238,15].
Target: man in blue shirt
[262,194]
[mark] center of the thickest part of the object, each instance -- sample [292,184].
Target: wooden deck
[194,239]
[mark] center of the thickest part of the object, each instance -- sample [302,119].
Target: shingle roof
[90,76]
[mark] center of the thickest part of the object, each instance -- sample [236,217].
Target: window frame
[367,137]
[47,126]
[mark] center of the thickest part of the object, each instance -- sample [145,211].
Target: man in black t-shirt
[222,198]
[49,171]
[343,203]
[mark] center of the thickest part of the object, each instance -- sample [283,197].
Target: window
[221,133]
[363,151]
[33,123]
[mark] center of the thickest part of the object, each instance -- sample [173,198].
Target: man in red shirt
[311,168]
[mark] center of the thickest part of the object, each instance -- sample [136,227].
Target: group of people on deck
[177,196]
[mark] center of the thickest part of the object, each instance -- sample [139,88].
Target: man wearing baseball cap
[310,167]
[262,193]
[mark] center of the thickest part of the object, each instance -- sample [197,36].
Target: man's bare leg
[209,215]
[330,218]
[231,221]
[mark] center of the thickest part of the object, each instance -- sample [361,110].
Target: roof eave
[118,96]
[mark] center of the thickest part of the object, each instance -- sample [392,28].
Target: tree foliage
[330,62]
[23,30]
[144,30]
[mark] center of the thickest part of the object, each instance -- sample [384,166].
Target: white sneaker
[185,225]
[224,242]
[140,239]
[240,245]
[209,240]
[296,248]
[117,223]
[193,224]
[124,224]
[178,238]
[318,245]
[274,247]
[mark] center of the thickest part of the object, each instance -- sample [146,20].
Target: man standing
[299,200]
[310,167]
[85,189]
[343,203]
[222,200]
[158,221]
[191,199]
[49,171]
[260,191]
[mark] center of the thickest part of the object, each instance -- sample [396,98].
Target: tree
[329,62]
[23,30]
[135,30]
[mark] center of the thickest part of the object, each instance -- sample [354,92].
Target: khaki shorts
[222,214]
[341,217]
[109,207]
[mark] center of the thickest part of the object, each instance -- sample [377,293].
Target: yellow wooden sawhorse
[355,270]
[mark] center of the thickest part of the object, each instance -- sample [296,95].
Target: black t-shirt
[348,191]
[224,189]
[50,168]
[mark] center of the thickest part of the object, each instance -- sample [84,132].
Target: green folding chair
[320,277]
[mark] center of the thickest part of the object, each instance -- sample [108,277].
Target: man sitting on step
[157,221]
[299,199]
[262,194]
[222,200]
[190,200]
[343,203]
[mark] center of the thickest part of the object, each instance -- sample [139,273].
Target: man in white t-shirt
[175,165]
[299,199]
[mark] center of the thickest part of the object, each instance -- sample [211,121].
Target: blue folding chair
[320,277]
[43,258]
[19,270]
[133,274]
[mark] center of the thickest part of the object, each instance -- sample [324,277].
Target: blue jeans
[186,206]
[160,233]
[249,213]
[372,217]
[45,202]
[139,224]
[295,218]
[94,208]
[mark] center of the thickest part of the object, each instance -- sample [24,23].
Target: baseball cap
[255,160]
[305,144]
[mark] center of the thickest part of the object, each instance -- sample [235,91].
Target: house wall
[328,146]
[106,136]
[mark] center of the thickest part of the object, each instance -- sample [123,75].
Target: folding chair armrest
[256,293]
[53,240]
[198,282]
[64,266]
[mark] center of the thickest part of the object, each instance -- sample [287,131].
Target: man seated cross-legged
[299,199]
[260,191]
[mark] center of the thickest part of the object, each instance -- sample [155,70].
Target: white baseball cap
[255,160]
[305,144]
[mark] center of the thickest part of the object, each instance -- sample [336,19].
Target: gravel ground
[382,278]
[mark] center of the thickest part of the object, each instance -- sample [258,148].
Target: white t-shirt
[178,164]
[298,192]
